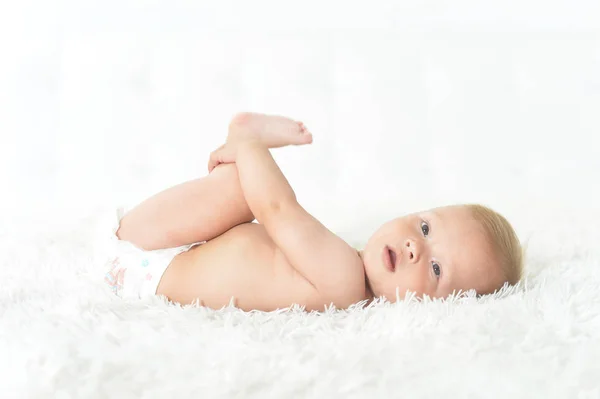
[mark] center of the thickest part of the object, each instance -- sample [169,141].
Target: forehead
[462,248]
[455,220]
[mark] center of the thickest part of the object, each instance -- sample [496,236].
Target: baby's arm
[325,260]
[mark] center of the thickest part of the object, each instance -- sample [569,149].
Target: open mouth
[389,258]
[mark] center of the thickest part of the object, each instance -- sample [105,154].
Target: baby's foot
[274,131]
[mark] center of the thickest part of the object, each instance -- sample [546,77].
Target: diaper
[132,272]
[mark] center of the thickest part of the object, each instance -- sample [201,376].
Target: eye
[436,269]
[425,228]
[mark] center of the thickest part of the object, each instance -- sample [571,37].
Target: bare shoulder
[324,259]
[346,276]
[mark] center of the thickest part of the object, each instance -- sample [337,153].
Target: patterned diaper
[132,272]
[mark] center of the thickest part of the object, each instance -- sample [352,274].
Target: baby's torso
[243,264]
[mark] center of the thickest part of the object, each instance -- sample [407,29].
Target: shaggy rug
[63,334]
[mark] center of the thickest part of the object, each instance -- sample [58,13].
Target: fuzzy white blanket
[414,104]
[63,334]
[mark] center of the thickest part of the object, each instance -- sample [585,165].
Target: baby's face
[434,252]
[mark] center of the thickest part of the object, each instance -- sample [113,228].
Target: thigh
[194,211]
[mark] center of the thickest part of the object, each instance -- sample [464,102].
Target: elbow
[281,206]
[274,207]
[274,211]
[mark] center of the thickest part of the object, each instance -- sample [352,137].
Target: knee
[227,175]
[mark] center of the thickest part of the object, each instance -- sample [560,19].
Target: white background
[411,104]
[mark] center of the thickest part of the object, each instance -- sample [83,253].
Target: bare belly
[242,264]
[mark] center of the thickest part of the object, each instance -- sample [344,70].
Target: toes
[304,139]
[303,128]
[305,133]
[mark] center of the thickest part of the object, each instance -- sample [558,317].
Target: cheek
[413,279]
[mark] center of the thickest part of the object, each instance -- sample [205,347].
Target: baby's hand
[224,154]
[272,131]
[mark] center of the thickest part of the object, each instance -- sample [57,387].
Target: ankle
[240,124]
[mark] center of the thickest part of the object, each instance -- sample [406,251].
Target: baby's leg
[194,211]
[202,209]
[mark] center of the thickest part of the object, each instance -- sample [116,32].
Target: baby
[289,257]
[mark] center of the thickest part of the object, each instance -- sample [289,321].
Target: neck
[368,290]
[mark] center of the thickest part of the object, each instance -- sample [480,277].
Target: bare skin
[239,259]
[289,257]
[202,209]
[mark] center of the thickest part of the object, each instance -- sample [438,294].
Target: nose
[412,250]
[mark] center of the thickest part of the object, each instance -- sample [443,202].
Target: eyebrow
[435,213]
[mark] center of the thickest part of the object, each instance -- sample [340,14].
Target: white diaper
[132,272]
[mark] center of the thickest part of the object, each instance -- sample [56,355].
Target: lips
[389,258]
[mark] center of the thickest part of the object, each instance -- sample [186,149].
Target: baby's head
[442,250]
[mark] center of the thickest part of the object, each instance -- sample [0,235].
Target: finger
[226,155]
[213,164]
[219,156]
[211,158]
[212,161]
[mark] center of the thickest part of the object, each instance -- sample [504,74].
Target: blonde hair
[504,241]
